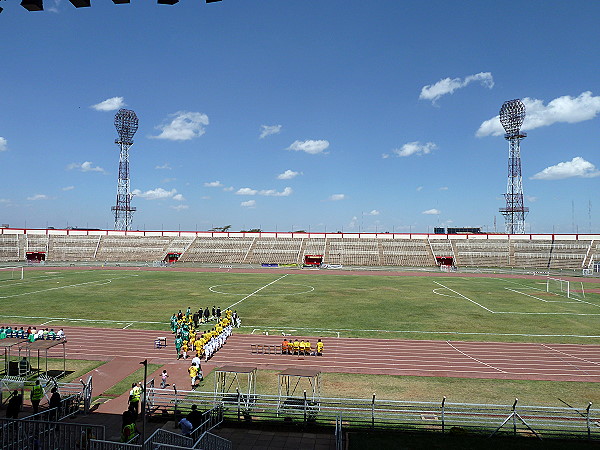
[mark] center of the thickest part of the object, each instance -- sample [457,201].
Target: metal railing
[30,434]
[374,413]
[339,433]
[210,441]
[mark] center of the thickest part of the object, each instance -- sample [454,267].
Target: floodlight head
[126,123]
[512,115]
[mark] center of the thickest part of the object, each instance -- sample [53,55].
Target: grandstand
[530,251]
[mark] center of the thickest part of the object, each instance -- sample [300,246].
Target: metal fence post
[587,419]
[514,416]
[443,414]
[373,412]
[305,405]
[238,403]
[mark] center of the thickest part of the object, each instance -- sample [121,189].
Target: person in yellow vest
[128,432]
[296,346]
[319,348]
[307,348]
[301,347]
[199,344]
[37,394]
[135,395]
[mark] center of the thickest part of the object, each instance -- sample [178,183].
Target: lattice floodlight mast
[126,123]
[512,115]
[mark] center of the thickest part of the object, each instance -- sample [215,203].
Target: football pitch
[314,303]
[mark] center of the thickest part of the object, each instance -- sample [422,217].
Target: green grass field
[413,307]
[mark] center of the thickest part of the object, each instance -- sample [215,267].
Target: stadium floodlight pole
[144,400]
[512,115]
[126,123]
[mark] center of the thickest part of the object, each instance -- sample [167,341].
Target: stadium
[121,336]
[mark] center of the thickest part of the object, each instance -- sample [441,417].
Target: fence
[163,439]
[376,414]
[30,434]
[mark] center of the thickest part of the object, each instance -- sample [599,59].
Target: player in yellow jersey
[319,348]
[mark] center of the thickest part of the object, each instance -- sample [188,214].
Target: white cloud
[432,212]
[157,194]
[444,188]
[336,197]
[266,192]
[110,104]
[165,166]
[309,146]
[5,200]
[531,198]
[68,188]
[213,184]
[288,175]
[419,188]
[229,189]
[38,197]
[86,166]
[268,130]
[577,167]
[3,144]
[183,126]
[273,193]
[448,85]
[246,191]
[374,212]
[169,180]
[179,207]
[415,148]
[249,204]
[564,109]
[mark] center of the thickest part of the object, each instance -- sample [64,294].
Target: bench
[266,349]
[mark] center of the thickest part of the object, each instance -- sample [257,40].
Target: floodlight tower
[512,115]
[126,123]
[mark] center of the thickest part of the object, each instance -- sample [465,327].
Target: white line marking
[537,298]
[98,283]
[258,290]
[127,326]
[466,298]
[458,333]
[475,359]
[47,322]
[571,356]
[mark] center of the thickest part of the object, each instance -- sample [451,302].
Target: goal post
[558,286]
[12,273]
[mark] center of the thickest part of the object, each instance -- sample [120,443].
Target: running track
[521,361]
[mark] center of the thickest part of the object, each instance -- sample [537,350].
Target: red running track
[496,360]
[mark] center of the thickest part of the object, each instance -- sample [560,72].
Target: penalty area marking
[466,298]
[537,298]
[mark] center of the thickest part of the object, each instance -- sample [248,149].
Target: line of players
[189,339]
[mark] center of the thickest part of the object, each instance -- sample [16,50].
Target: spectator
[206,314]
[195,417]
[13,407]
[186,426]
[55,401]
[60,334]
[163,377]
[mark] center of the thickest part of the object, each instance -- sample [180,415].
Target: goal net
[558,286]
[11,273]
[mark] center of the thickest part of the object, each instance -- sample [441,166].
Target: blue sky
[299,114]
